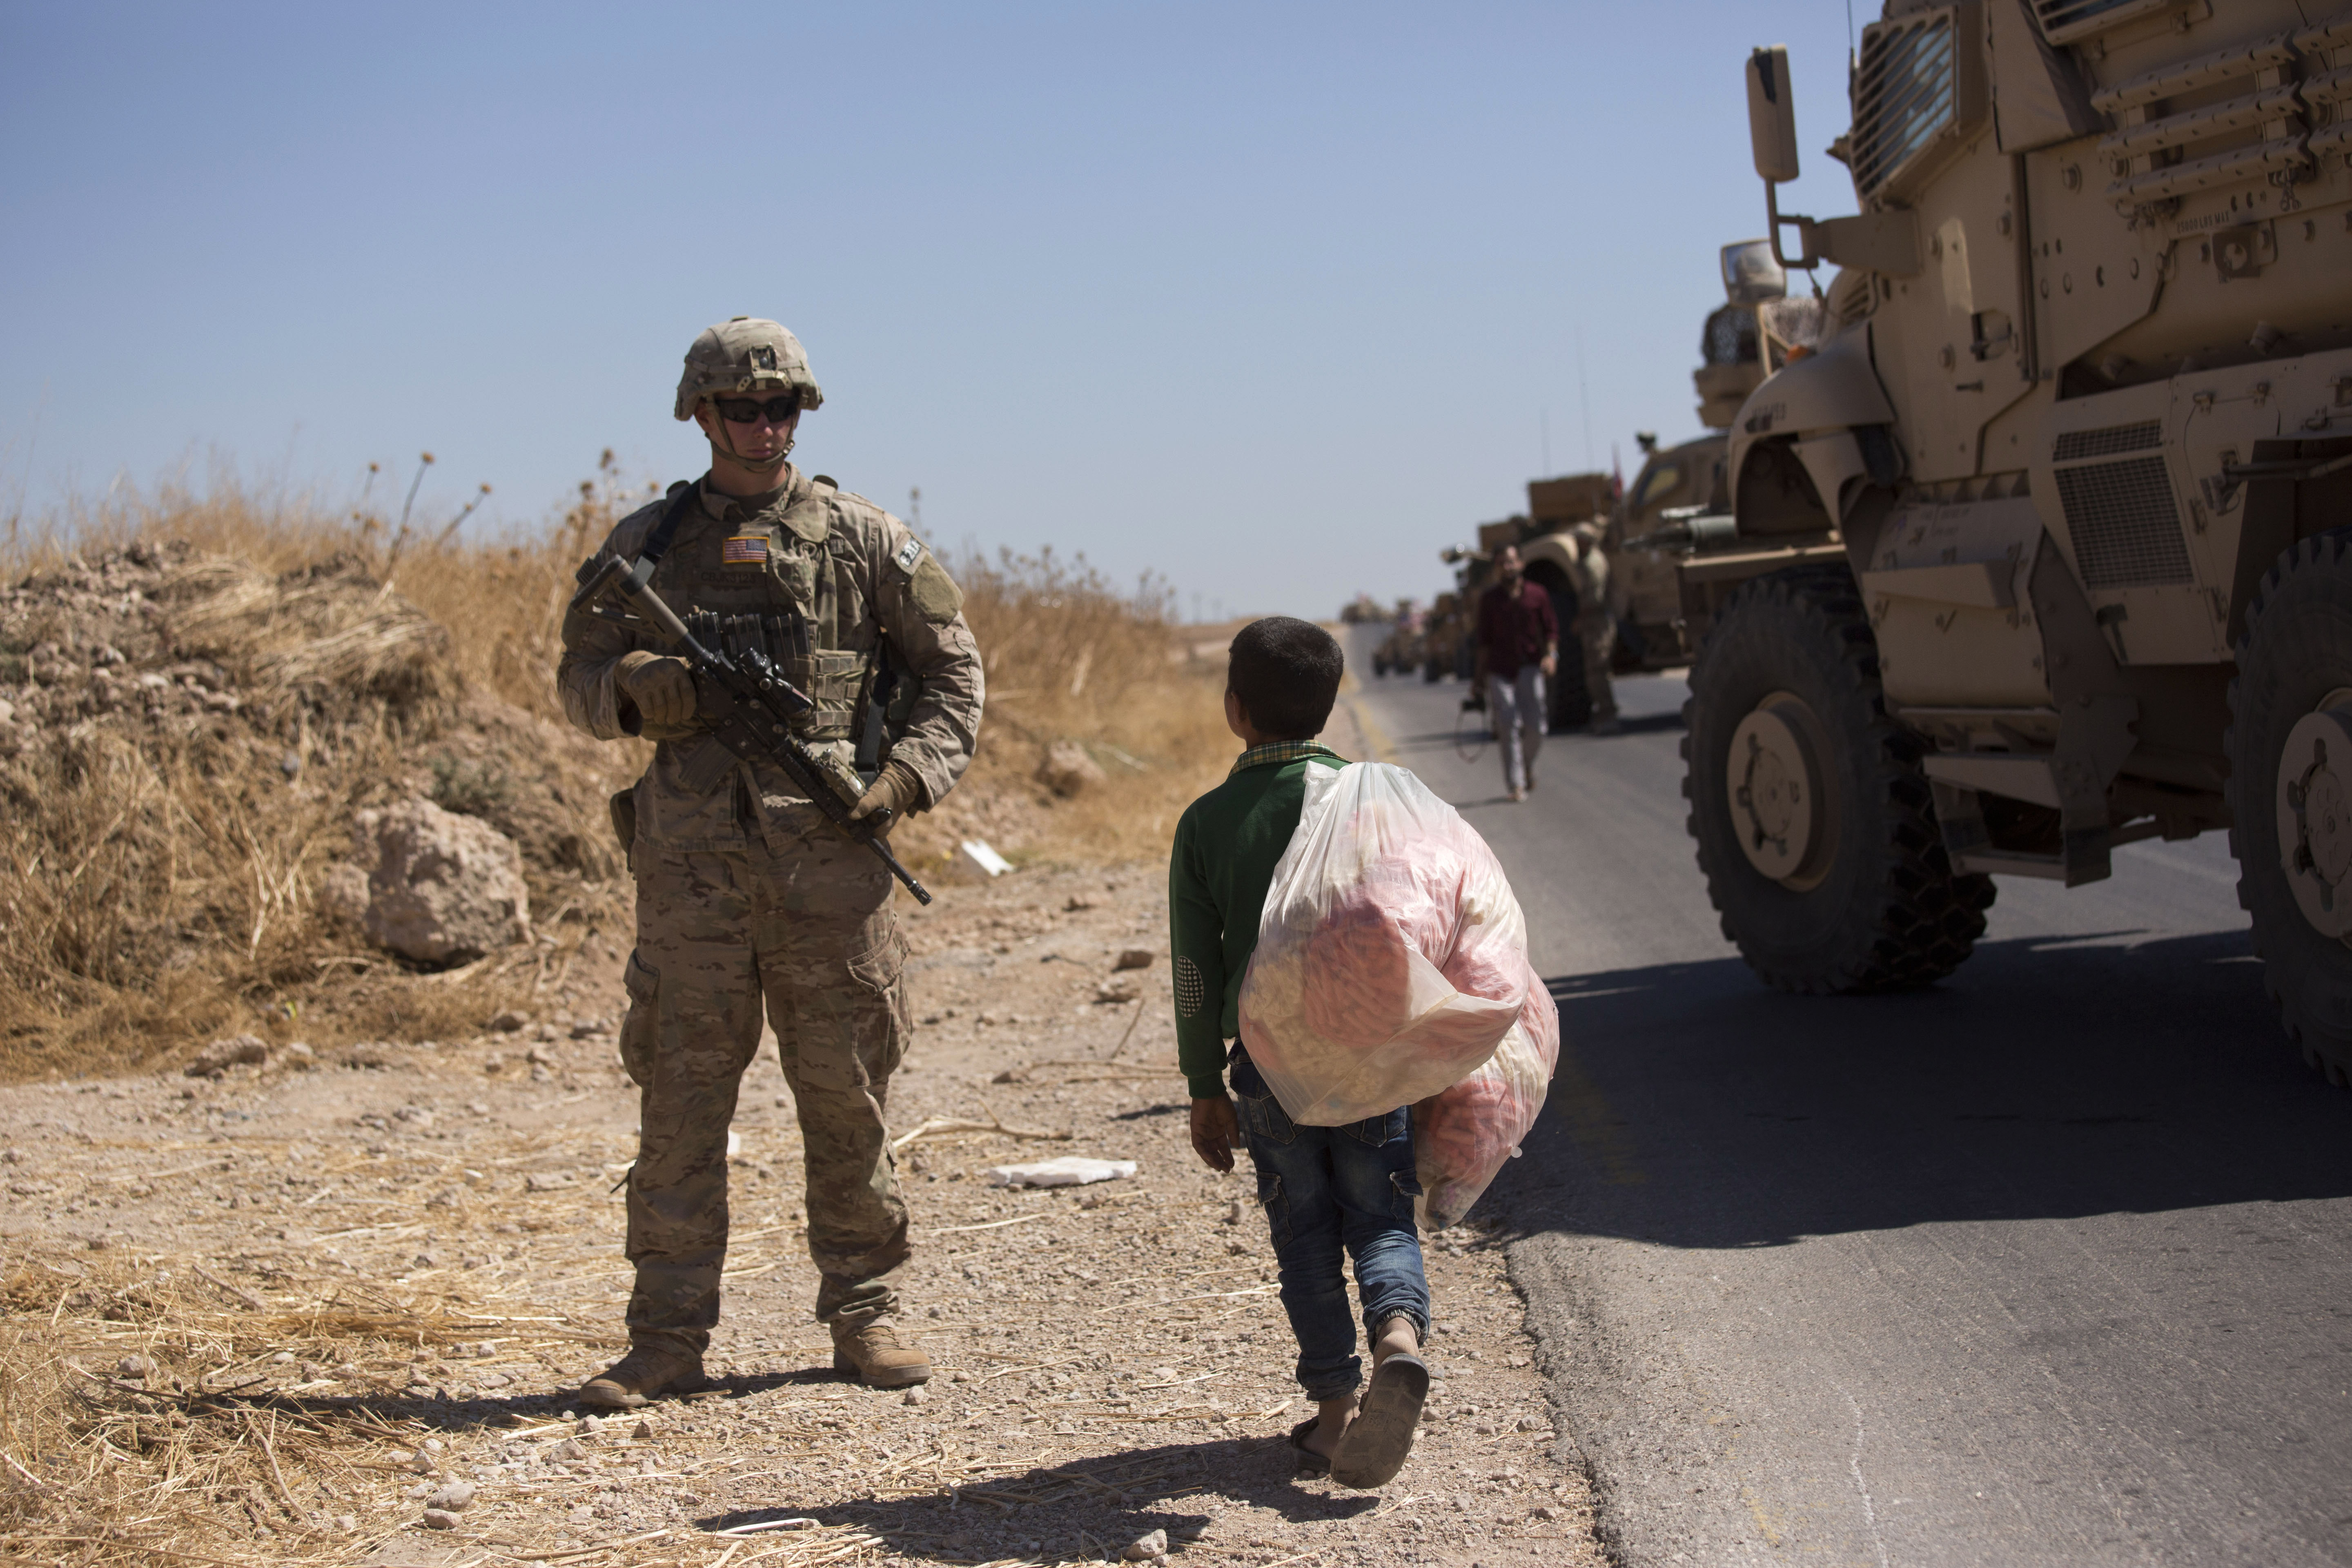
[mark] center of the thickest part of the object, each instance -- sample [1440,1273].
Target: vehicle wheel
[2290,750]
[1571,704]
[1815,827]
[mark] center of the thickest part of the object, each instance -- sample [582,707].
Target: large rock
[446,888]
[1068,772]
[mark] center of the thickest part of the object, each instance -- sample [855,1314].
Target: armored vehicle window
[1656,485]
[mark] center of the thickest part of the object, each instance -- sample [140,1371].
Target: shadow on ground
[1695,1108]
[1098,1505]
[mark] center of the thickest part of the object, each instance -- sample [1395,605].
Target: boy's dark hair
[1287,673]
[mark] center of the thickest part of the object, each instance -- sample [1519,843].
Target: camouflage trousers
[806,926]
[1599,643]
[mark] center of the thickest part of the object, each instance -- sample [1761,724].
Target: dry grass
[162,861]
[1072,657]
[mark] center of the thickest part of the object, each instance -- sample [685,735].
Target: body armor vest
[782,582]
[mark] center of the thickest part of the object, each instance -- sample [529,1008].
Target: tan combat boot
[645,1373]
[874,1351]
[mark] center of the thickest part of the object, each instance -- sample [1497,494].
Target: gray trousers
[1516,705]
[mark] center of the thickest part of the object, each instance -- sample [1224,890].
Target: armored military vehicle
[1402,649]
[1552,553]
[1756,331]
[2045,550]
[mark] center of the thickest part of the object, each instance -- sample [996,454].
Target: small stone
[222,1055]
[1234,1212]
[961,1377]
[1134,958]
[1150,1547]
[590,1425]
[1529,1423]
[131,1366]
[283,1358]
[1117,991]
[1547,1511]
[440,1519]
[917,1395]
[453,1496]
[301,1054]
[567,1452]
[643,1431]
[348,1524]
[509,1022]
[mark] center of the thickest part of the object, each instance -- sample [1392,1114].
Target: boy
[1323,1188]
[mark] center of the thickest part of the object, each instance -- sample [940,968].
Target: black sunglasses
[743,410]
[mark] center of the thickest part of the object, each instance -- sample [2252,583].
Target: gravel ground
[1111,1360]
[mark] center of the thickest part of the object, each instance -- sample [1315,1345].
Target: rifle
[746,700]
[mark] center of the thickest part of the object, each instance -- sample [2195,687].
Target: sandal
[1309,1463]
[1377,1442]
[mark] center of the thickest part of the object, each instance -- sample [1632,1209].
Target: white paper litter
[977,858]
[1069,1171]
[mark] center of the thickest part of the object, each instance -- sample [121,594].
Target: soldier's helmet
[742,355]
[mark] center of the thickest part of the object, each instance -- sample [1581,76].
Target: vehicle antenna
[1584,397]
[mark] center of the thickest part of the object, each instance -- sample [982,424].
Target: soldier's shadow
[487,1412]
[1086,1508]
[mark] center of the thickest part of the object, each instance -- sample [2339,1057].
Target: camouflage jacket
[832,575]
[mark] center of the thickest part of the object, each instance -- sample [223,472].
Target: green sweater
[1227,844]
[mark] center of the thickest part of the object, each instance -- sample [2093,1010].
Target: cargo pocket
[641,1030]
[882,1034]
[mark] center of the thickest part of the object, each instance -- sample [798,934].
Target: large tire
[1570,704]
[2291,698]
[1864,897]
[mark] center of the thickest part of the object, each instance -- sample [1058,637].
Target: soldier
[1596,628]
[745,890]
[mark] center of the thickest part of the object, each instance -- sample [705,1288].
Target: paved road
[2046,1265]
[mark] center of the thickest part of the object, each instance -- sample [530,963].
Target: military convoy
[2043,549]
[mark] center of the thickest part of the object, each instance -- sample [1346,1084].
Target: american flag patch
[745,550]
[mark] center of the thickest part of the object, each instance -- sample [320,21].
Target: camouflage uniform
[745,890]
[1596,628]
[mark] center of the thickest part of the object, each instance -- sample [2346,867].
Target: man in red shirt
[1518,649]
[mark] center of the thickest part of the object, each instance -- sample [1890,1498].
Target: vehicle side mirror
[1772,114]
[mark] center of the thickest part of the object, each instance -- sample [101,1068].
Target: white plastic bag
[1461,1138]
[1392,956]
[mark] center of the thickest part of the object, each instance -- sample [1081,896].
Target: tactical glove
[896,786]
[663,690]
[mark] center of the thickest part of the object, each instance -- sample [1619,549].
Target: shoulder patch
[937,598]
[908,553]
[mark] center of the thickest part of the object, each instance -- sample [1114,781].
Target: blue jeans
[1325,1188]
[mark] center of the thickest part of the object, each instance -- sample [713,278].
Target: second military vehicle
[2048,547]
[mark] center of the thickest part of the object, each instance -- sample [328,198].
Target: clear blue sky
[1271,299]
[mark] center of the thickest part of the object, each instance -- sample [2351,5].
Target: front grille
[2125,528]
[2106,441]
[1902,95]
